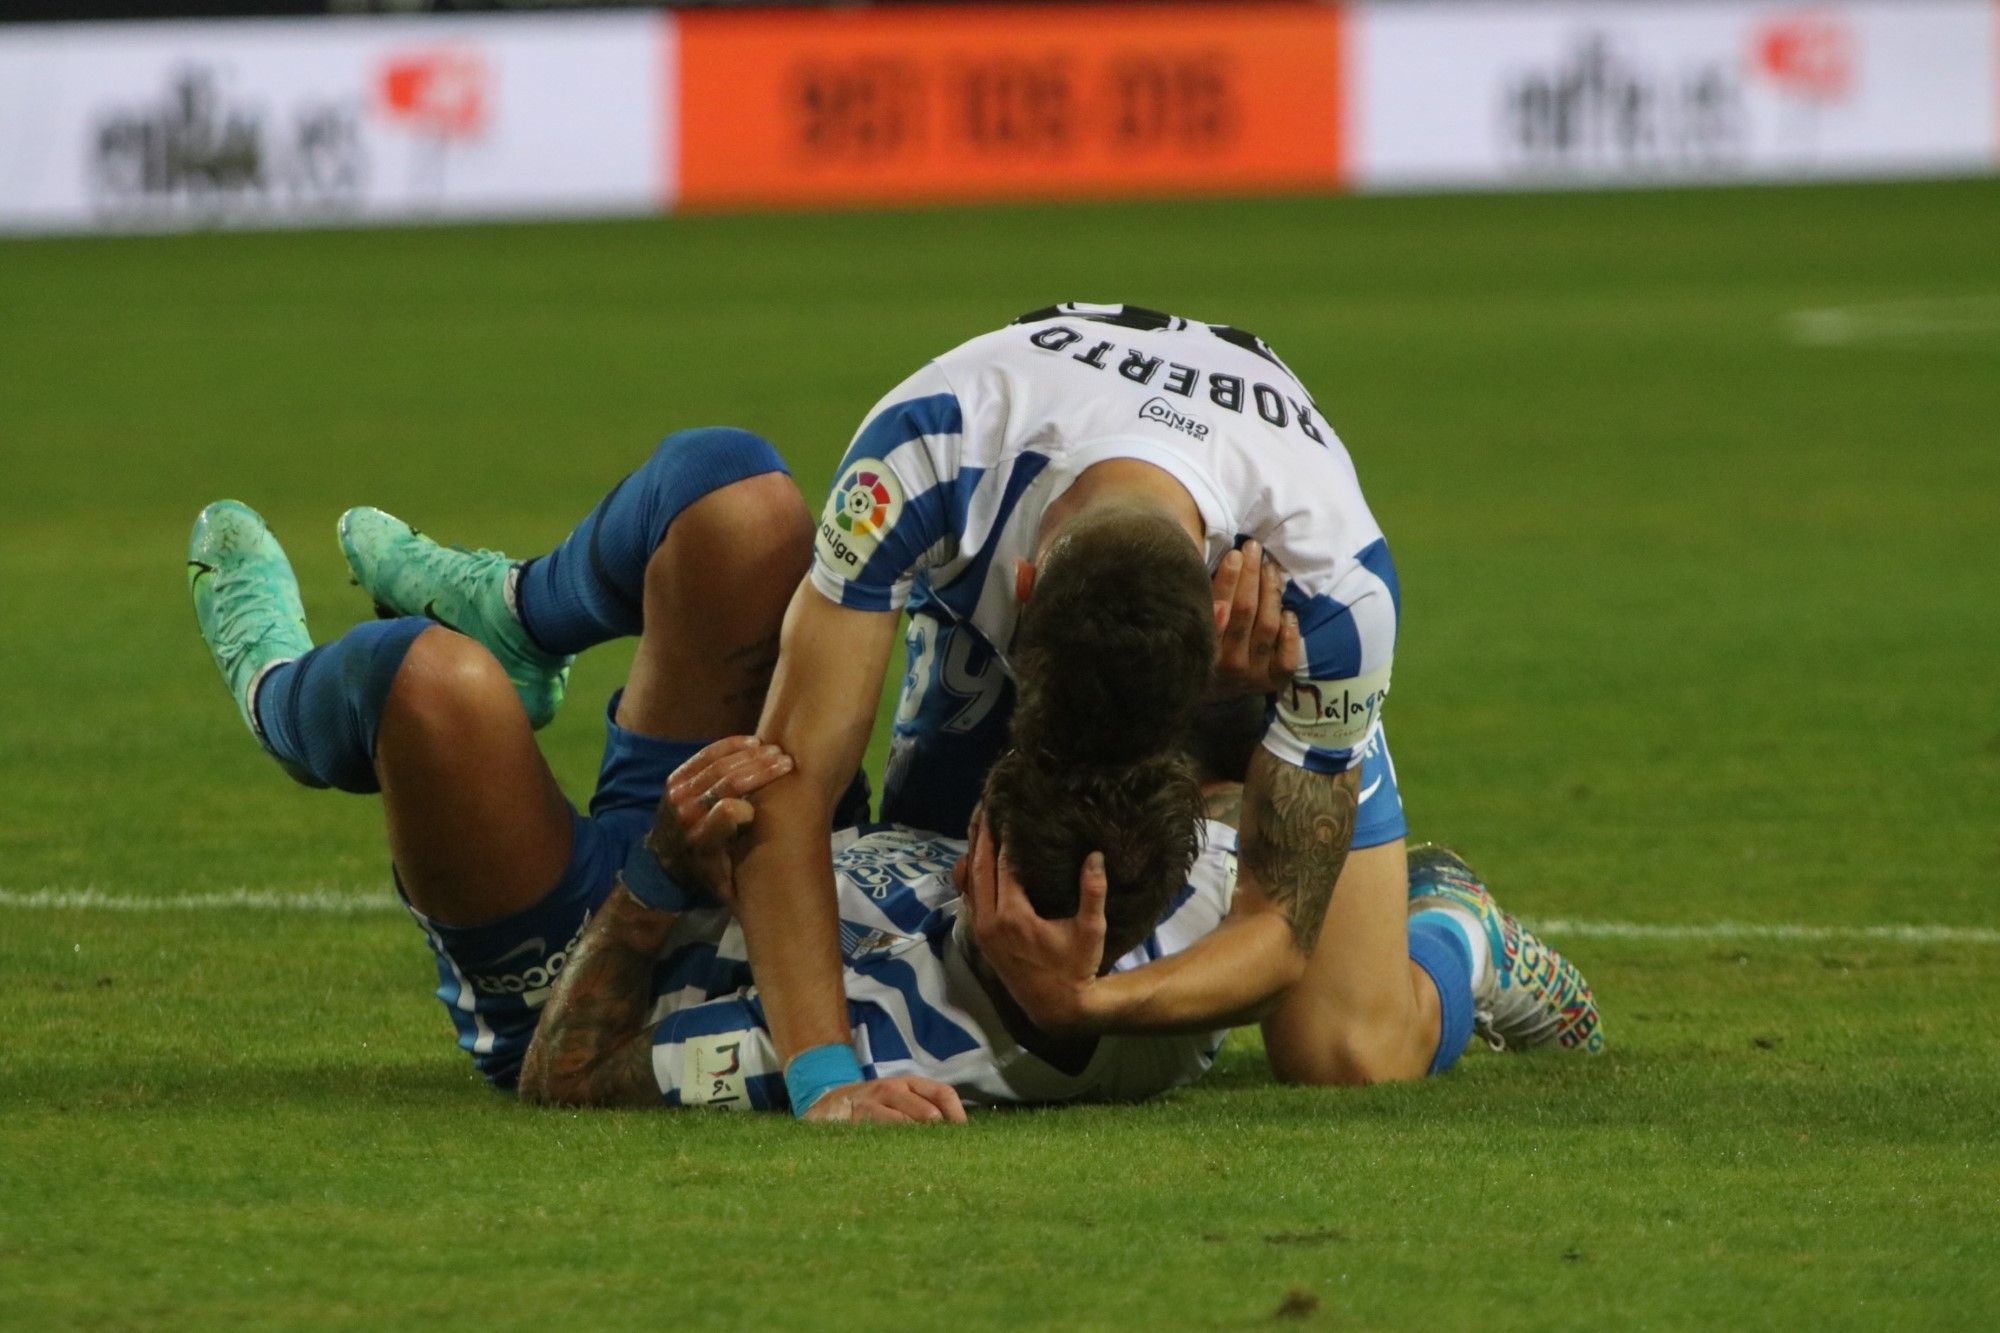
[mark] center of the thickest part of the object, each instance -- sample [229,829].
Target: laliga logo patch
[860,511]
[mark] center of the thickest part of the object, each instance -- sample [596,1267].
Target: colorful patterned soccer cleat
[246,600]
[1533,996]
[408,574]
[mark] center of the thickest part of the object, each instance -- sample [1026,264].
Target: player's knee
[760,523]
[1344,1055]
[451,682]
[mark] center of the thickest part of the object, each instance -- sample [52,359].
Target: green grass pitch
[1700,629]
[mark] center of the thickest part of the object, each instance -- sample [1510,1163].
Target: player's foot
[1531,995]
[246,600]
[408,574]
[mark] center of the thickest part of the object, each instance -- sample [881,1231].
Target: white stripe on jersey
[916,1003]
[947,480]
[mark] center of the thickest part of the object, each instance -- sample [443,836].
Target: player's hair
[1049,814]
[1115,646]
[1224,735]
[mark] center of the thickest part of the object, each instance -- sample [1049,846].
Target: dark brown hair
[1116,643]
[1049,814]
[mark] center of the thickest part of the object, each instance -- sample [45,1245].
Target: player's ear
[1024,580]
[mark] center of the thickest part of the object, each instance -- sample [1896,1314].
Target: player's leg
[489,856]
[1405,971]
[714,588]
[697,552]
[1376,1003]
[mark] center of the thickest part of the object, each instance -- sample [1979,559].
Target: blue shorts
[952,722]
[493,979]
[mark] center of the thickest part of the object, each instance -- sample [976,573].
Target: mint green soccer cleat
[1533,996]
[246,600]
[408,574]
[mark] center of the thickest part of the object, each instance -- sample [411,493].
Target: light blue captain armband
[814,1073]
[648,881]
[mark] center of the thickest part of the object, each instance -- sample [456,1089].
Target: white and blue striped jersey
[914,1000]
[946,482]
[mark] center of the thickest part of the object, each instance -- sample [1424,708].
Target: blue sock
[1438,948]
[319,714]
[591,589]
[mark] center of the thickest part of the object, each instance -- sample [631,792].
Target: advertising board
[980,102]
[170,125]
[1483,94]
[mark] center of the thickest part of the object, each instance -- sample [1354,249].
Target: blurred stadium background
[1693,489]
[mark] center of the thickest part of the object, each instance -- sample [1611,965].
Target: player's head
[1145,817]
[1117,639]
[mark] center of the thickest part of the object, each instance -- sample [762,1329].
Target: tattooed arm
[594,1046]
[1297,827]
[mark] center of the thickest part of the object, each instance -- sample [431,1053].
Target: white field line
[359,902]
[1895,321]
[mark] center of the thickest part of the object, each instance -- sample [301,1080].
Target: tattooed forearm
[1224,804]
[593,1046]
[1296,830]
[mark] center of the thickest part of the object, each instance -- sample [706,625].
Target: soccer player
[515,889]
[1048,501]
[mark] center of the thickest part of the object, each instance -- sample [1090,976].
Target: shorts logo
[860,511]
[532,983]
[1160,411]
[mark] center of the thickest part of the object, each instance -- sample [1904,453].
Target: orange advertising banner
[911,105]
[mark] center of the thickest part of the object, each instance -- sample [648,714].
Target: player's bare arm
[831,662]
[1297,828]
[593,1046]
[820,708]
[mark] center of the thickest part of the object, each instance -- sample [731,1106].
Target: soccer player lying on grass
[504,875]
[1050,503]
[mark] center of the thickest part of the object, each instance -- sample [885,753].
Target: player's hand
[902,1100]
[708,797]
[1049,967]
[1258,648]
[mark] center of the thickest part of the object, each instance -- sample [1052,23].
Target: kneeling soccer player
[505,876]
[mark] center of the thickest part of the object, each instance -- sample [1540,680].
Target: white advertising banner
[323,121]
[1459,93]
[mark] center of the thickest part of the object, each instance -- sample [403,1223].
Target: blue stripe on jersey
[925,521]
[884,1041]
[696,965]
[940,1038]
[706,1020]
[1375,559]
[1333,645]
[962,594]
[899,423]
[926,517]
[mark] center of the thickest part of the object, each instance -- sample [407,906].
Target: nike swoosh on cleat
[431,613]
[202,566]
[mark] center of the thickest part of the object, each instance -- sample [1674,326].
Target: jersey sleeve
[1323,719]
[894,509]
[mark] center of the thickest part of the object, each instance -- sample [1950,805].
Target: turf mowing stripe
[1781,932]
[332,902]
[311,901]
